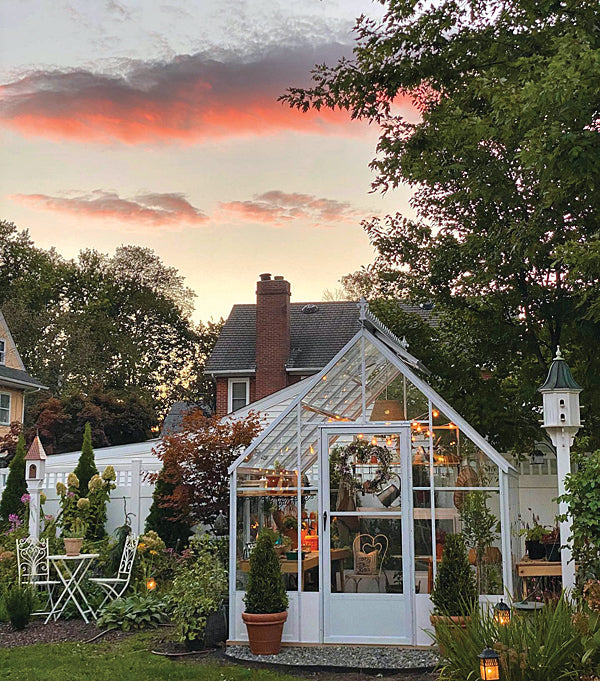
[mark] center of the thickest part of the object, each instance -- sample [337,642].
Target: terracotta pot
[264,632]
[73,545]
[439,550]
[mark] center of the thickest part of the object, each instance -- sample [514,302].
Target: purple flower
[14,522]
[71,494]
[48,518]
[26,498]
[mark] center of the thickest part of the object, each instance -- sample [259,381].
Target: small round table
[71,570]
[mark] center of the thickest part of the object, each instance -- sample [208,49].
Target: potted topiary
[455,592]
[266,599]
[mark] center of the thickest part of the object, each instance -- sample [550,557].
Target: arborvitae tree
[86,466]
[454,592]
[16,485]
[266,591]
[175,533]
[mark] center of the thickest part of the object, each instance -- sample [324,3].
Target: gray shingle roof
[17,377]
[315,338]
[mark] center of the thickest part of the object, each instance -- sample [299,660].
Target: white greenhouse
[362,474]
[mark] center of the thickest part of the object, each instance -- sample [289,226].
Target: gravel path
[357,658]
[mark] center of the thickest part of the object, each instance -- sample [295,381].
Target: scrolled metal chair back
[32,560]
[128,556]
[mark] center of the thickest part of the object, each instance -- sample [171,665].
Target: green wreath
[361,452]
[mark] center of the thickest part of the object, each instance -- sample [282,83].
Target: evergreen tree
[454,592]
[266,591]
[86,466]
[16,485]
[175,533]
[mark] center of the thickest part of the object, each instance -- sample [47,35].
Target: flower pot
[73,545]
[272,480]
[460,621]
[552,552]
[535,550]
[439,550]
[265,631]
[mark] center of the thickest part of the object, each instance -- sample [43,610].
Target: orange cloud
[277,207]
[188,99]
[153,208]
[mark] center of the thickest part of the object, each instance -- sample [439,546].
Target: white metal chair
[33,567]
[369,556]
[115,587]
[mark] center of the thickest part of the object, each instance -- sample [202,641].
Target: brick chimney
[272,334]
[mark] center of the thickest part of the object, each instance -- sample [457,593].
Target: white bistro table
[71,570]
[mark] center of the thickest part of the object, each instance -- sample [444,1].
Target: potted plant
[454,592]
[533,538]
[480,530]
[266,599]
[273,478]
[73,536]
[290,530]
[551,542]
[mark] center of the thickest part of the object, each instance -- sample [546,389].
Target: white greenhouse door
[376,607]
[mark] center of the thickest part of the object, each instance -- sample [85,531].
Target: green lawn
[127,660]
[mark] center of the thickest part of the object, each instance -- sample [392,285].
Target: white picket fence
[133,494]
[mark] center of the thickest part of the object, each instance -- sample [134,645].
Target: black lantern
[489,665]
[501,613]
[221,525]
[537,457]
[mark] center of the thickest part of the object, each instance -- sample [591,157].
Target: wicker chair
[369,556]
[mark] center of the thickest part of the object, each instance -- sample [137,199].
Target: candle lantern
[501,613]
[151,584]
[489,665]
[221,525]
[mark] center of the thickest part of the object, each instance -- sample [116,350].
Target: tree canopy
[118,325]
[489,110]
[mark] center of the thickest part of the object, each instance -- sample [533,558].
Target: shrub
[19,604]
[161,518]
[532,647]
[16,485]
[86,466]
[134,612]
[455,591]
[198,590]
[266,591]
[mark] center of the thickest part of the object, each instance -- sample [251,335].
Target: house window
[4,409]
[2,351]
[238,394]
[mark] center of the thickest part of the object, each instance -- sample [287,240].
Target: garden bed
[53,632]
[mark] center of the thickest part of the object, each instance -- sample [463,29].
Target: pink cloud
[277,207]
[188,99]
[152,208]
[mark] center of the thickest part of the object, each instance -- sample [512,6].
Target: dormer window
[238,394]
[2,351]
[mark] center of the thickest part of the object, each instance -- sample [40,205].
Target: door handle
[324,520]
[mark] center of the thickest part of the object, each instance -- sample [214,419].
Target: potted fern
[455,591]
[266,599]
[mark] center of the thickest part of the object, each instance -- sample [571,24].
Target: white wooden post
[562,421]
[136,484]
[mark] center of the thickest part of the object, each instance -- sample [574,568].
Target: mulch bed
[53,632]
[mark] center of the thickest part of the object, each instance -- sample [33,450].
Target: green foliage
[479,530]
[198,589]
[86,466]
[503,160]
[583,499]
[19,603]
[266,591]
[16,486]
[534,647]
[175,533]
[134,612]
[455,591]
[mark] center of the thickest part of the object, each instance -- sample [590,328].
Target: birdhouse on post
[562,420]
[35,471]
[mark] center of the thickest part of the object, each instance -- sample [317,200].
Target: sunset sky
[156,123]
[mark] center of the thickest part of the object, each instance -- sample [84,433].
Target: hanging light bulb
[374,441]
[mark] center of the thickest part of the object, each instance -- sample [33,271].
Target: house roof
[18,378]
[318,331]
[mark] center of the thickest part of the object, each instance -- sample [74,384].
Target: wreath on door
[343,458]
